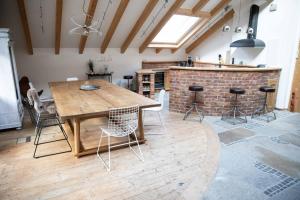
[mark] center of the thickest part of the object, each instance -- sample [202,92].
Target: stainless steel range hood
[251,40]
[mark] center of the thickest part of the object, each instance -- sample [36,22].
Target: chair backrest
[24,86]
[72,79]
[34,100]
[161,98]
[123,121]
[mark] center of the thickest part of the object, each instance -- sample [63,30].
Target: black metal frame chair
[45,111]
[42,118]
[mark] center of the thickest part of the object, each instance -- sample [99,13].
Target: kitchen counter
[216,99]
[226,68]
[206,64]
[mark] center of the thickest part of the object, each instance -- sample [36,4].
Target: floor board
[178,165]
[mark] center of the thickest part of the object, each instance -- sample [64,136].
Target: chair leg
[37,129]
[38,138]
[107,166]
[160,119]
[63,132]
[141,156]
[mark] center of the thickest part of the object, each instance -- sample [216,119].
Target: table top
[72,102]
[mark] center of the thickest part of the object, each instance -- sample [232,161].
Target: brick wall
[216,98]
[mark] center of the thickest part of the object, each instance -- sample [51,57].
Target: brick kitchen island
[216,98]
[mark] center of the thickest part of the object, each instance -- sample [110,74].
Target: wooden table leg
[141,126]
[76,125]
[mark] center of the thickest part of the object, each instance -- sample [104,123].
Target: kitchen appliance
[159,80]
[251,40]
[189,61]
[11,109]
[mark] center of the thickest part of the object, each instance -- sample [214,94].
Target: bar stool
[234,116]
[264,110]
[128,78]
[194,106]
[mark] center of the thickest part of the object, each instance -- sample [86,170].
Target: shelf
[146,82]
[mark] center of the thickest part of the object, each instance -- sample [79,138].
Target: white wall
[44,66]
[279,30]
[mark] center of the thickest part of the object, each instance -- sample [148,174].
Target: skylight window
[175,29]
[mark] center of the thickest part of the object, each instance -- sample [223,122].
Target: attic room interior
[150,99]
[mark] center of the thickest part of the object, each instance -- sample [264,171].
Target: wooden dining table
[74,106]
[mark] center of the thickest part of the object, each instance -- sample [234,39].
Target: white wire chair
[122,122]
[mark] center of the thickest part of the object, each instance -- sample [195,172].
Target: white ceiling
[10,18]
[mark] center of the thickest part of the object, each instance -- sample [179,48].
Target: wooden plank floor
[178,165]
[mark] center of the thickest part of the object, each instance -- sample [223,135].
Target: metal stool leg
[236,114]
[264,110]
[194,107]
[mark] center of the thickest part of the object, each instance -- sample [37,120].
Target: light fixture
[84,29]
[238,28]
[210,23]
[41,16]
[226,28]
[155,17]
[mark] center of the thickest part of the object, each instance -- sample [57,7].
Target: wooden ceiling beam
[139,23]
[210,31]
[189,12]
[58,19]
[118,15]
[176,5]
[88,21]
[199,6]
[213,13]
[219,7]
[24,21]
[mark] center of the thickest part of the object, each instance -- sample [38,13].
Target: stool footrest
[234,116]
[198,111]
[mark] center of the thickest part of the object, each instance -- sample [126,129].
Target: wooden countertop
[145,71]
[230,65]
[224,68]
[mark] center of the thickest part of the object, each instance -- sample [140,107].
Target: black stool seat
[237,91]
[195,88]
[128,77]
[267,89]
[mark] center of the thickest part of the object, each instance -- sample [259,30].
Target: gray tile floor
[265,165]
[260,161]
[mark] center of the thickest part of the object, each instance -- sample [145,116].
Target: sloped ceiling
[10,18]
